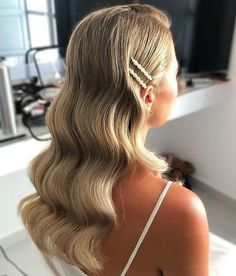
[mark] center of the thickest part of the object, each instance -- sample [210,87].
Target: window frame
[51,17]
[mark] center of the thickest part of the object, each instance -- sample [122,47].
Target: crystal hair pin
[141,68]
[142,83]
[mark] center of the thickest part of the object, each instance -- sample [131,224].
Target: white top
[69,270]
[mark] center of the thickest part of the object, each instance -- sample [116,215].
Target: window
[41,22]
[31,24]
[14,36]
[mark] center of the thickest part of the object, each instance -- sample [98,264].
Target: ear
[147,96]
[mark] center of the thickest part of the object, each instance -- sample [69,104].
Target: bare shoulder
[183,227]
[185,203]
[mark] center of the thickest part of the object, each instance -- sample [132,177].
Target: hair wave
[96,124]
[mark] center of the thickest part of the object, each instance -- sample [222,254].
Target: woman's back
[135,199]
[180,208]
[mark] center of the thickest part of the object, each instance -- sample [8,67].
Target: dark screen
[202,29]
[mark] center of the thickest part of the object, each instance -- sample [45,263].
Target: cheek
[164,104]
[173,87]
[169,94]
[171,97]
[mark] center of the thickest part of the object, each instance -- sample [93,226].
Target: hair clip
[142,83]
[140,67]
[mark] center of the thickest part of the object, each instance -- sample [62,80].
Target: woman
[98,189]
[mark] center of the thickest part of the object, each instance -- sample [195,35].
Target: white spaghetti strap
[146,228]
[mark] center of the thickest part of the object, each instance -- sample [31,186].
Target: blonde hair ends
[96,125]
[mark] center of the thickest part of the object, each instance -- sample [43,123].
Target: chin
[158,122]
[161,122]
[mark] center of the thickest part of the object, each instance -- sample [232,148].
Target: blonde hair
[96,124]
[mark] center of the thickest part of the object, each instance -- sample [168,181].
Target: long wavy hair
[96,124]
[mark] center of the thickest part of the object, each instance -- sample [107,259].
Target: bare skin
[177,243]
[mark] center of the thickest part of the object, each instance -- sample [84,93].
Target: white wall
[206,138]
